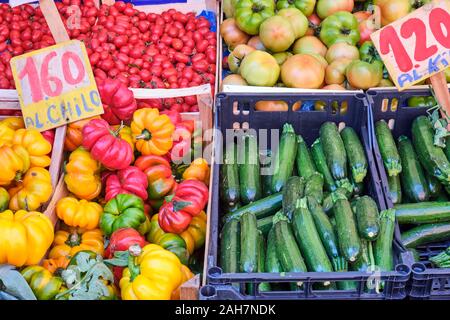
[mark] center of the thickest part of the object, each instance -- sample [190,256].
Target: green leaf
[12,283]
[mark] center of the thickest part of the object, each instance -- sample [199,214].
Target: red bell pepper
[105,145]
[159,175]
[121,240]
[118,101]
[130,180]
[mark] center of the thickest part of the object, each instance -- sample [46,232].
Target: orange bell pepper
[15,161]
[198,170]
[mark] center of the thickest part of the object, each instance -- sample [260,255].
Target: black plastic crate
[426,282]
[237,111]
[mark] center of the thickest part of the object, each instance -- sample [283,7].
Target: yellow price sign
[56,85]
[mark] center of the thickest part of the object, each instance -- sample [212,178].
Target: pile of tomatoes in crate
[143,50]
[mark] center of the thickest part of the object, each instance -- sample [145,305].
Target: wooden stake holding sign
[417,47]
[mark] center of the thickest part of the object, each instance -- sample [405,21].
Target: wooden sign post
[417,47]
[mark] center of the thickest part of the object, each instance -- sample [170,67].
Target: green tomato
[340,27]
[250,14]
[364,75]
[122,211]
[305,6]
[420,102]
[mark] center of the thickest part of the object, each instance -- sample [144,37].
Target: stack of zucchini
[309,215]
[418,173]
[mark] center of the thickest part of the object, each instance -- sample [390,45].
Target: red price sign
[56,85]
[416,46]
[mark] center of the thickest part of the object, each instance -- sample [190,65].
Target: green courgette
[365,260]
[367,216]
[314,187]
[264,225]
[284,158]
[348,239]
[248,261]
[249,171]
[384,256]
[395,189]
[229,177]
[342,266]
[272,264]
[325,230]
[334,150]
[388,149]
[288,253]
[355,154]
[308,239]
[358,188]
[434,186]
[230,247]
[413,179]
[261,208]
[427,233]
[447,147]
[266,174]
[321,165]
[305,164]
[292,191]
[420,213]
[431,157]
[263,286]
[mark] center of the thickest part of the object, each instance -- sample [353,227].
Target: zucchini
[308,239]
[305,164]
[288,253]
[272,264]
[263,286]
[431,157]
[366,212]
[342,266]
[249,171]
[230,247]
[447,147]
[266,175]
[292,191]
[325,230]
[388,149]
[358,188]
[261,208]
[434,186]
[365,260]
[413,179]
[395,189]
[420,213]
[314,187]
[348,239]
[284,158]
[355,154]
[427,233]
[384,256]
[229,177]
[321,164]
[264,225]
[334,150]
[248,261]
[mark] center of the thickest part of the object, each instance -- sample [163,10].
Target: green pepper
[419,102]
[43,283]
[305,6]
[122,211]
[249,14]
[340,27]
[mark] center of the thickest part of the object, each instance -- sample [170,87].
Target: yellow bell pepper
[152,132]
[13,123]
[82,178]
[37,146]
[196,232]
[24,237]
[15,162]
[69,243]
[79,213]
[33,191]
[197,170]
[152,274]
[6,135]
